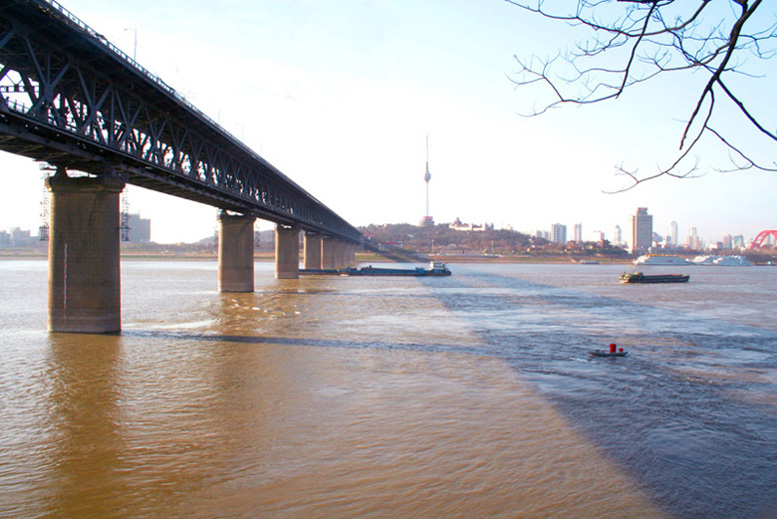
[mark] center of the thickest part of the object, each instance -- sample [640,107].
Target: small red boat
[602,353]
[614,352]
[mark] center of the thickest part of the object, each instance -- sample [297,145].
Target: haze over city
[340,97]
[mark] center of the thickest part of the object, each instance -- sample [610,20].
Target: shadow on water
[669,418]
[678,413]
[287,341]
[697,453]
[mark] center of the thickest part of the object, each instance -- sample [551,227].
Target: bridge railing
[23,108]
[102,40]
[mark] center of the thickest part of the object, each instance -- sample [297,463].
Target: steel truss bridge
[70,98]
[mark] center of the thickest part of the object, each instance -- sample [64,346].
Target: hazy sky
[340,95]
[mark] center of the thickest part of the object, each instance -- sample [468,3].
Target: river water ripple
[468,396]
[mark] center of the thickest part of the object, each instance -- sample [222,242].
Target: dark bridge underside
[70,98]
[22,136]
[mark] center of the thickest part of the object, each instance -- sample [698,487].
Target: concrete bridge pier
[330,253]
[350,254]
[341,253]
[286,252]
[236,253]
[84,254]
[311,255]
[346,253]
[327,252]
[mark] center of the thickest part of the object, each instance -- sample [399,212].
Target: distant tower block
[125,217]
[641,230]
[43,230]
[427,221]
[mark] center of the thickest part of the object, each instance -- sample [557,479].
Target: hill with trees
[443,240]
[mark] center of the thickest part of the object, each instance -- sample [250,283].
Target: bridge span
[70,98]
[763,238]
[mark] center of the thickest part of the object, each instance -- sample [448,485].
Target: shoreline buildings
[617,238]
[559,233]
[675,234]
[139,229]
[578,232]
[643,239]
[641,230]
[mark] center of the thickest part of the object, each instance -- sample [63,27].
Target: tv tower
[427,220]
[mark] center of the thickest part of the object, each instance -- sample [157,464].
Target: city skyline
[673,236]
[341,96]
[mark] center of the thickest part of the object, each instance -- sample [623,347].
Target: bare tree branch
[749,163]
[721,38]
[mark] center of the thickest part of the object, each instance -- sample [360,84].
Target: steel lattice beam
[70,98]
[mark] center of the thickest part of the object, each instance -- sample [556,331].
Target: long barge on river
[639,277]
[435,269]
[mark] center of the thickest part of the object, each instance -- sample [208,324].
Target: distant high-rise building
[559,233]
[578,230]
[641,230]
[675,234]
[20,238]
[728,241]
[139,229]
[617,236]
[693,239]
[739,241]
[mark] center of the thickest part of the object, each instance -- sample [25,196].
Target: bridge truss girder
[69,98]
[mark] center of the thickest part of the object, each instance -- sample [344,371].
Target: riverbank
[39,253]
[361,257]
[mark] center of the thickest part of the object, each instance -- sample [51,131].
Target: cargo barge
[435,269]
[639,277]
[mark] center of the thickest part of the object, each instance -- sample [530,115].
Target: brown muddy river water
[470,396]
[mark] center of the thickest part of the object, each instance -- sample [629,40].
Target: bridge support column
[84,262]
[340,253]
[236,253]
[327,253]
[286,252]
[311,251]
